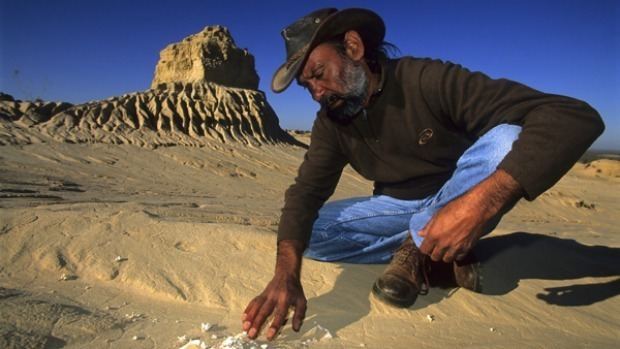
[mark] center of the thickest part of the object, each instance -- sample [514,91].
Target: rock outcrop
[210,55]
[173,114]
[190,106]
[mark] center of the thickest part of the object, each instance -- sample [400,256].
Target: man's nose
[316,91]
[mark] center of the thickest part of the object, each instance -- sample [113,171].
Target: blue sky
[78,51]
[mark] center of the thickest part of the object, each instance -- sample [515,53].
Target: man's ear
[354,45]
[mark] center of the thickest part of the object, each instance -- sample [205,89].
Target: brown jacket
[425,114]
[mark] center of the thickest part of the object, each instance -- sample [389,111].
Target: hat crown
[298,34]
[311,30]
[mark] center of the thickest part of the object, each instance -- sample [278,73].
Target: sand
[121,246]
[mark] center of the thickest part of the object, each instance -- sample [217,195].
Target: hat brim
[367,23]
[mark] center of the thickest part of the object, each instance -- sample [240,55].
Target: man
[450,151]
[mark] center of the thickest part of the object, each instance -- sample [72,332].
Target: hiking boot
[464,273]
[467,273]
[404,278]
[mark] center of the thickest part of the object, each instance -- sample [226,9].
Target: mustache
[344,112]
[329,100]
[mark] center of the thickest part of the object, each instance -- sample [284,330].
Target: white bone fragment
[193,344]
[67,277]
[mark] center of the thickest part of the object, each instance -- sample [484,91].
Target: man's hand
[282,292]
[456,228]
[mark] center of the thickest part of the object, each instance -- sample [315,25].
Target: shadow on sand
[505,260]
[343,304]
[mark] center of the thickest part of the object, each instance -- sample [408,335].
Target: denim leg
[477,163]
[361,230]
[369,229]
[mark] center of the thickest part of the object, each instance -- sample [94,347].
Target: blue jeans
[369,229]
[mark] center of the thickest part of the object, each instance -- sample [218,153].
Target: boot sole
[400,303]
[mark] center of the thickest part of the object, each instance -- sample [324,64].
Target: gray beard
[355,82]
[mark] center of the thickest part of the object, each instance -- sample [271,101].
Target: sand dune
[604,168]
[194,230]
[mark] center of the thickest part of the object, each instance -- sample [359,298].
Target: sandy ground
[118,246]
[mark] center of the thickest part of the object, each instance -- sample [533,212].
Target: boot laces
[413,257]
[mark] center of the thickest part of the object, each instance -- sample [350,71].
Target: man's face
[337,82]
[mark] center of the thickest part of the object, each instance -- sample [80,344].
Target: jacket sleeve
[316,181]
[556,130]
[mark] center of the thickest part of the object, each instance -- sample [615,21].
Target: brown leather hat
[309,31]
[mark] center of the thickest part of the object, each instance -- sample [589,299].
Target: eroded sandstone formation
[210,55]
[196,98]
[172,114]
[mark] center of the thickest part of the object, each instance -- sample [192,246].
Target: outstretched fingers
[300,314]
[260,309]
[278,320]
[257,322]
[250,312]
